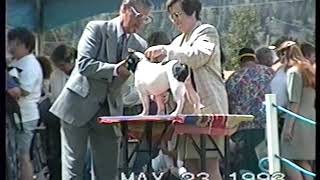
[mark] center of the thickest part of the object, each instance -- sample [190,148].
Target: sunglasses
[145,19]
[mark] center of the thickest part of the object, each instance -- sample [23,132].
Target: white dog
[156,78]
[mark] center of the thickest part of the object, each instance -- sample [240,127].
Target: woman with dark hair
[46,66]
[47,69]
[198,46]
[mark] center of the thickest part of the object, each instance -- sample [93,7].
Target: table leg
[125,163]
[149,141]
[203,152]
[226,159]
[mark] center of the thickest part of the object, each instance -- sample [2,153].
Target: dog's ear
[131,51]
[129,60]
[132,60]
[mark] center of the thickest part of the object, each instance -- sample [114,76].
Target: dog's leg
[160,105]
[178,94]
[180,103]
[145,104]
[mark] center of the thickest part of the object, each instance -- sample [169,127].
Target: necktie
[120,46]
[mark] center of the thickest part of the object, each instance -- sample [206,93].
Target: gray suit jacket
[92,83]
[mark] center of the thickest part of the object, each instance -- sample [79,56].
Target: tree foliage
[240,23]
[245,24]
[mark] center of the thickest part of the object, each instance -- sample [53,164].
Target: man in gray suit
[94,89]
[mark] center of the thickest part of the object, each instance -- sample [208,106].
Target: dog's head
[133,59]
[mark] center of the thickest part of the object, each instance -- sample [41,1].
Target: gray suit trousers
[104,147]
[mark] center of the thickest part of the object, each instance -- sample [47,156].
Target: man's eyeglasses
[145,19]
[175,16]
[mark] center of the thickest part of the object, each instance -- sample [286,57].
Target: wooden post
[272,133]
[39,27]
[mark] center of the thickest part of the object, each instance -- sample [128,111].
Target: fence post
[272,133]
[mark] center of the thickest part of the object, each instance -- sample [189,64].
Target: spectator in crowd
[44,105]
[282,39]
[296,134]
[268,57]
[246,90]
[62,58]
[198,47]
[308,52]
[21,43]
[94,89]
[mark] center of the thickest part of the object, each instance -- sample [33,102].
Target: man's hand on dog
[156,53]
[122,70]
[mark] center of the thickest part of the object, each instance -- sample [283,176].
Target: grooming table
[211,125]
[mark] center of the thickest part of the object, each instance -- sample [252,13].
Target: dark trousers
[52,140]
[246,141]
[54,148]
[12,166]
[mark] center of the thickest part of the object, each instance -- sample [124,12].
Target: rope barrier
[261,162]
[295,115]
[264,162]
[288,162]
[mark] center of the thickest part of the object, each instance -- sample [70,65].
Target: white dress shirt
[57,81]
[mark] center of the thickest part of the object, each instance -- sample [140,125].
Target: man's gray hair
[144,3]
[265,56]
